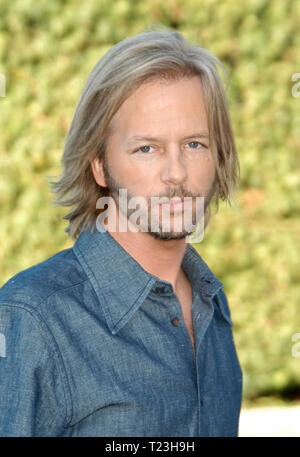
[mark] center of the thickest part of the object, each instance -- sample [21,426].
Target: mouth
[177,205]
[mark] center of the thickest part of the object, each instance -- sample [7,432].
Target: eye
[196,145]
[144,149]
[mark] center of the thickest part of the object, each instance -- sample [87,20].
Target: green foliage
[47,50]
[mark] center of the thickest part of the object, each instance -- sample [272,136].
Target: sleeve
[32,395]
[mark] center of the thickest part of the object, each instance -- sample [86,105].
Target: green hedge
[47,50]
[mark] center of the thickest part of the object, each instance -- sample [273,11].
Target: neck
[159,257]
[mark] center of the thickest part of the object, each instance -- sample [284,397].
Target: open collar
[120,282]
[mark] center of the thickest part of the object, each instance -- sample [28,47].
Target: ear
[97,169]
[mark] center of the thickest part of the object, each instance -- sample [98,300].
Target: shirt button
[175,321]
[160,290]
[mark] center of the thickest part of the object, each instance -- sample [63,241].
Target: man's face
[159,147]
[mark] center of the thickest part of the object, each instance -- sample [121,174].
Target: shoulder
[31,287]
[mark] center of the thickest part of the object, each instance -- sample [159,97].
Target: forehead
[162,105]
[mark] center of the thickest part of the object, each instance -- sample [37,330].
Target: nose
[174,170]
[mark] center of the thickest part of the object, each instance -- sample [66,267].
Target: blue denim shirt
[89,347]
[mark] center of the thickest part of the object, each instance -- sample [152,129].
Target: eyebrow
[150,138]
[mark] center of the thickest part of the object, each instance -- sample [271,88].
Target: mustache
[178,192]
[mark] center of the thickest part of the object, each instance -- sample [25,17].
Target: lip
[176,205]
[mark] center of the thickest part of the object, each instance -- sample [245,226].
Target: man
[128,333]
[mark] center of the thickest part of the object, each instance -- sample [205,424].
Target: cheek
[137,180]
[204,172]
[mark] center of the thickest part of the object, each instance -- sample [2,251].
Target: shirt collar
[121,284]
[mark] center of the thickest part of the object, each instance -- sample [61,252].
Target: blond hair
[148,55]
